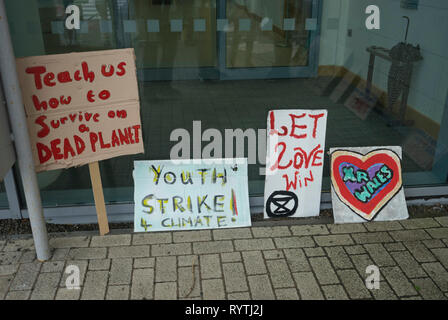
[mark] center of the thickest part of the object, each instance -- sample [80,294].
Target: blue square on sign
[176,25]
[289,24]
[153,25]
[199,25]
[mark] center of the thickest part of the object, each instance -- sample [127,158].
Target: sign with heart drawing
[367,184]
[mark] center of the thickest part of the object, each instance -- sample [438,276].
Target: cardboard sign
[181,195]
[6,148]
[367,184]
[81,107]
[294,164]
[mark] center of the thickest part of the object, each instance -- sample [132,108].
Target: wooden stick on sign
[98,194]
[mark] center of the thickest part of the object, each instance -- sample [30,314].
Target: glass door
[263,39]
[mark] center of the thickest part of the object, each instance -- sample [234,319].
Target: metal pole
[21,138]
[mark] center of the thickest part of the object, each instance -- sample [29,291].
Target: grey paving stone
[443,221]
[111,240]
[165,291]
[273,254]
[379,255]
[412,298]
[234,277]
[18,295]
[170,249]
[19,245]
[99,264]
[254,244]
[8,269]
[372,237]
[81,264]
[229,234]
[438,233]
[410,235]
[323,270]
[60,254]
[270,232]
[419,251]
[95,285]
[46,286]
[280,275]
[293,242]
[231,257]
[140,263]
[296,260]
[385,292]
[238,296]
[309,230]
[28,256]
[254,263]
[210,266]
[212,247]
[10,257]
[408,264]
[151,238]
[338,257]
[26,276]
[68,294]
[334,292]
[213,289]
[428,290]
[166,269]
[400,284]
[87,253]
[355,249]
[376,226]
[361,262]
[442,255]
[437,273]
[142,284]
[395,246]
[189,282]
[307,286]
[260,287]
[334,240]
[129,252]
[191,236]
[118,292]
[433,243]
[53,266]
[314,252]
[4,285]
[287,294]
[421,223]
[347,228]
[69,242]
[120,271]
[353,284]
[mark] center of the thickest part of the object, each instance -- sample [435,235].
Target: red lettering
[55,149]
[102,144]
[104,95]
[316,118]
[277,163]
[68,149]
[64,77]
[294,126]
[88,75]
[93,140]
[121,68]
[45,129]
[90,96]
[43,152]
[39,105]
[273,130]
[37,71]
[136,134]
[79,143]
[48,79]
[77,75]
[107,73]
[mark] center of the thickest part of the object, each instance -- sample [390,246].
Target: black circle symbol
[280,201]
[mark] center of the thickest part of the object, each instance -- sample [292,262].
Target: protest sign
[294,164]
[187,195]
[367,184]
[81,107]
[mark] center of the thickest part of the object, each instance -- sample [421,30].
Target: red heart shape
[385,191]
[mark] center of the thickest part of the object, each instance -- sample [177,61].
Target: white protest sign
[190,195]
[294,164]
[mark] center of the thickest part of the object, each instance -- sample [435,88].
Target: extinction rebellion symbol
[282,204]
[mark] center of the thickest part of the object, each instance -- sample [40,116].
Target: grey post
[21,138]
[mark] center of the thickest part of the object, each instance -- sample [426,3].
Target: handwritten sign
[294,164]
[81,107]
[182,195]
[367,184]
